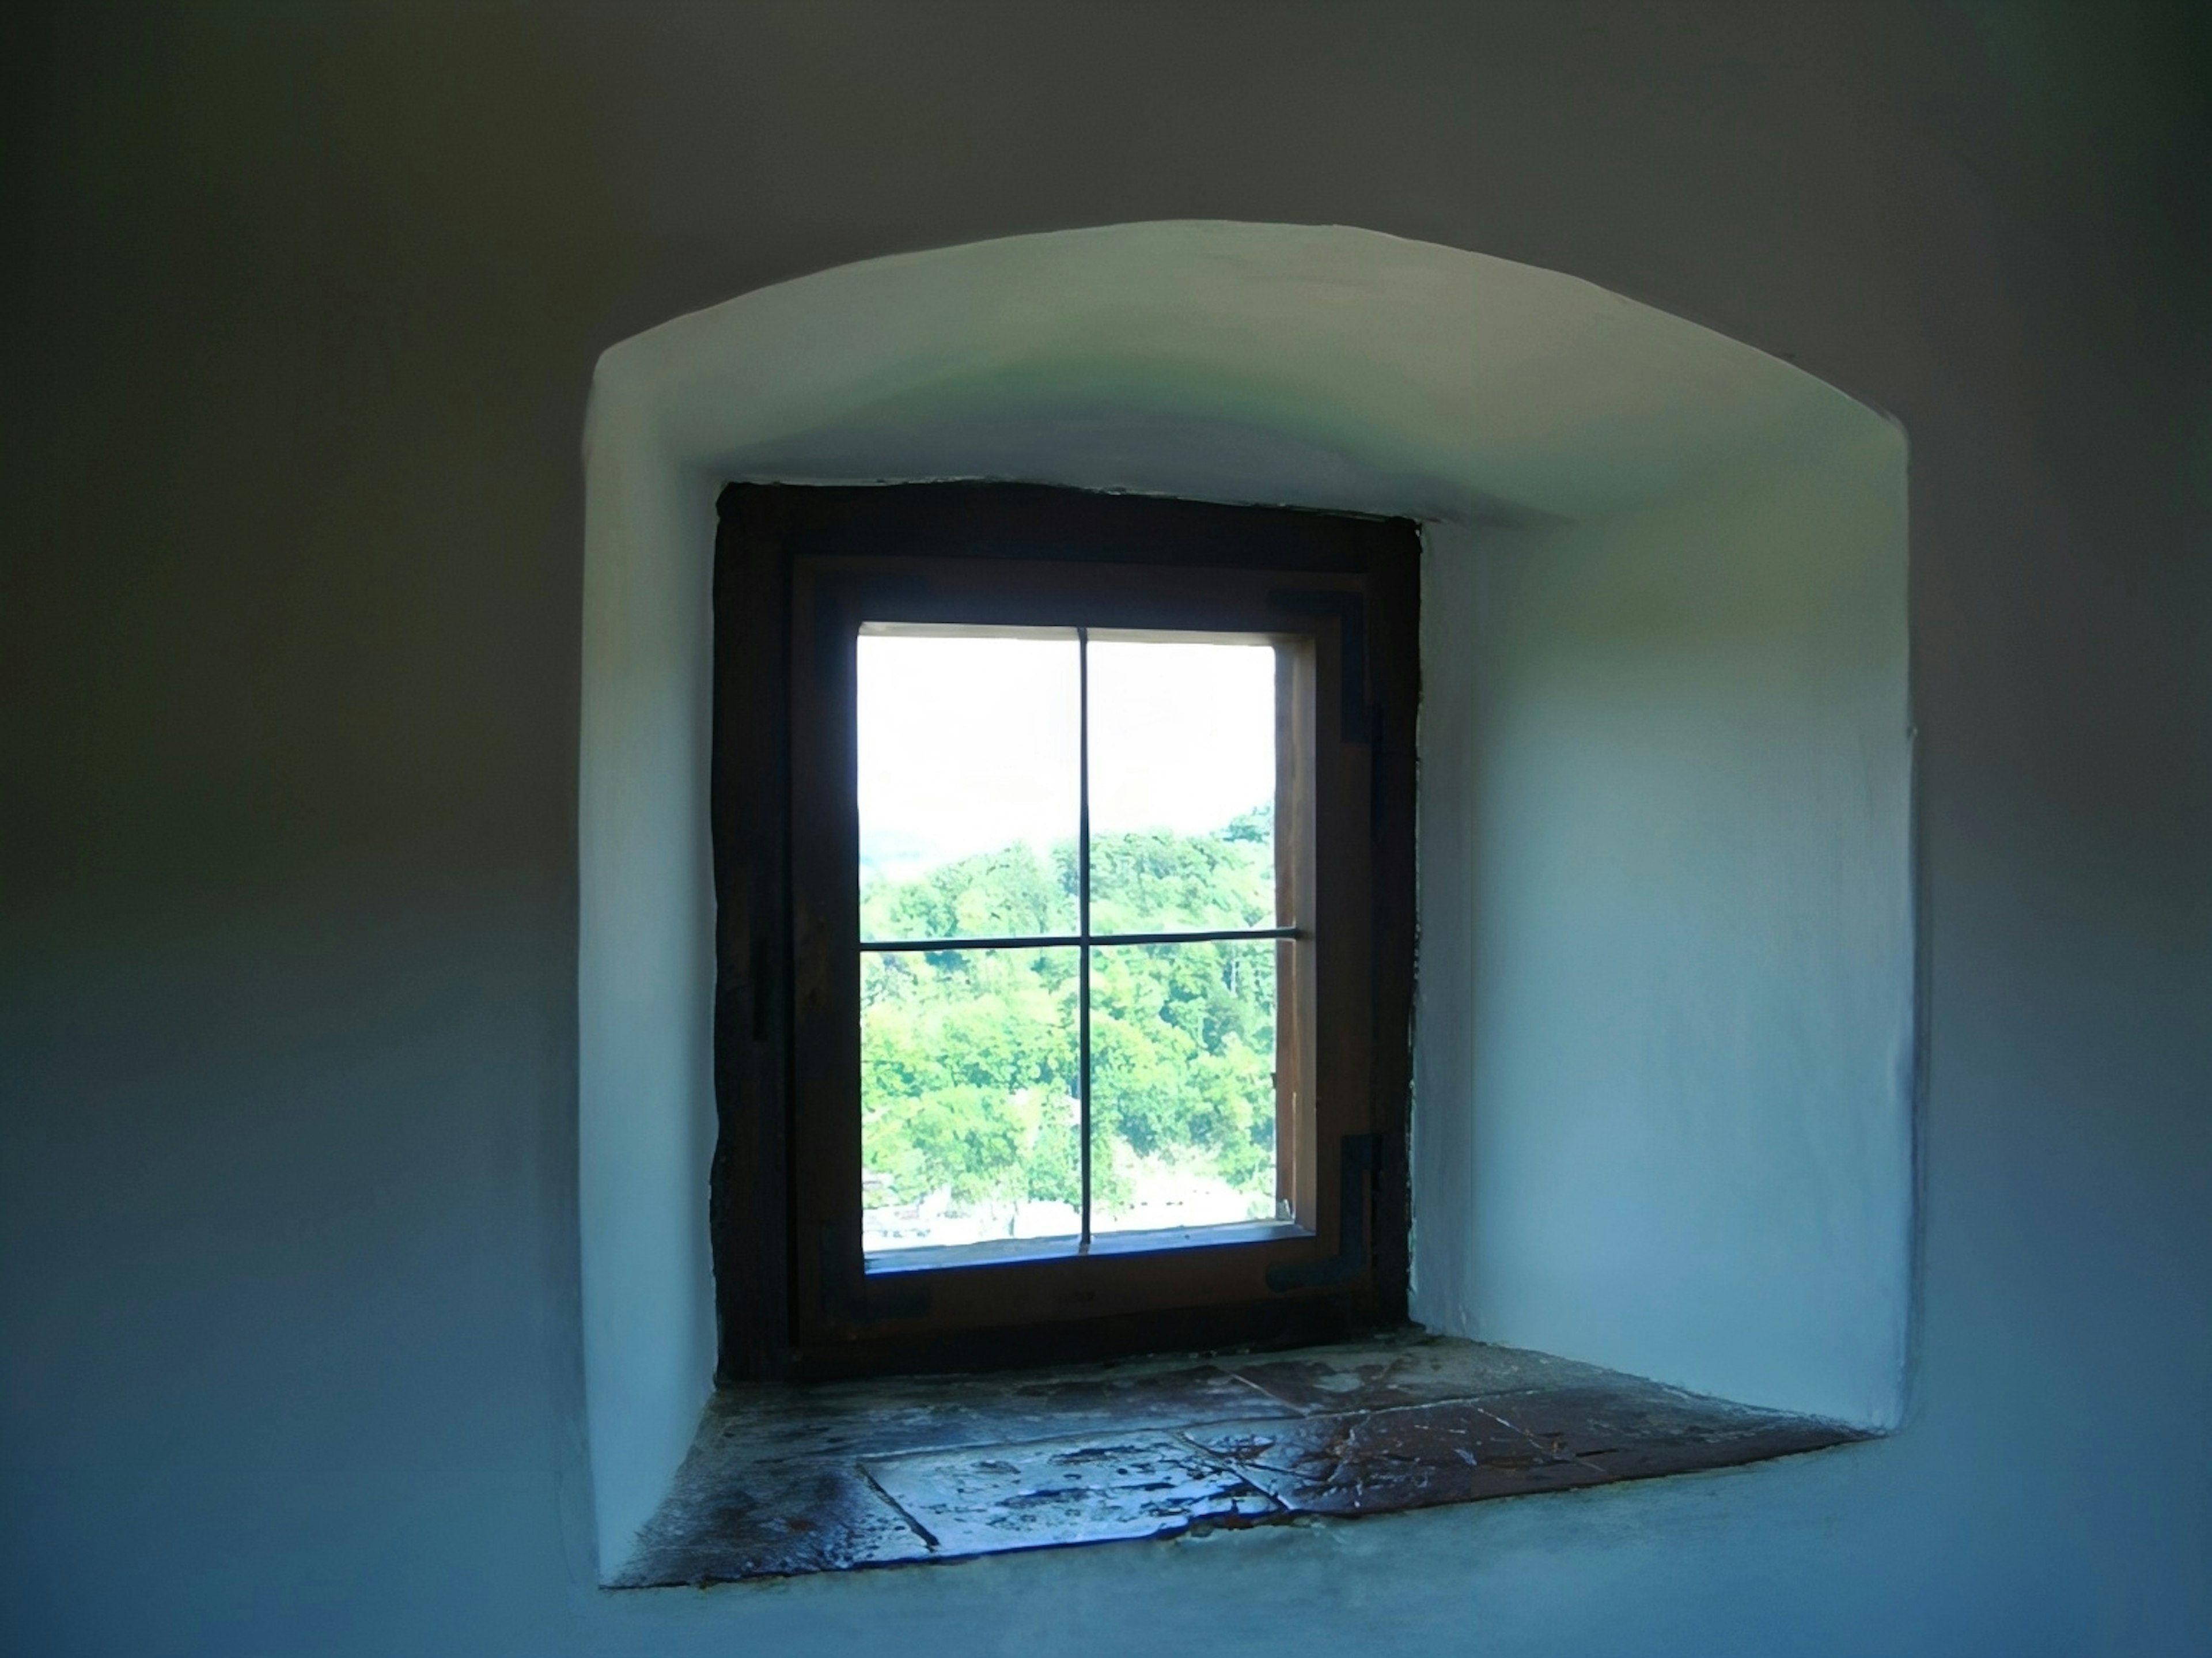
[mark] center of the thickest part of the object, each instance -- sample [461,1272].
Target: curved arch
[1697,524]
[1322,366]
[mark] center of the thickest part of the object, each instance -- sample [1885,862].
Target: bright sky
[967,745]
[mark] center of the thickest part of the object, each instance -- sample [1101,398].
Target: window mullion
[1082,915]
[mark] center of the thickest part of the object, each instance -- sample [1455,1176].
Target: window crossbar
[1068,940]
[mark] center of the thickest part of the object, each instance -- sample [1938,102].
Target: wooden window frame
[797,569]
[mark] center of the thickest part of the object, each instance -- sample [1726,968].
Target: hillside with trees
[969,1059]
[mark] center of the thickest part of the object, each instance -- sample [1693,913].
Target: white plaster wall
[645,947]
[1321,366]
[1665,1110]
[307,308]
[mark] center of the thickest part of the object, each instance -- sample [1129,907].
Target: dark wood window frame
[797,569]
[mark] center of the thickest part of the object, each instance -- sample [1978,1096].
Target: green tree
[969,1057]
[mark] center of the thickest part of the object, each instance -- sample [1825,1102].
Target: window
[1077,924]
[1063,851]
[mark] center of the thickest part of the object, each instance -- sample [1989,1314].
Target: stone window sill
[783,1481]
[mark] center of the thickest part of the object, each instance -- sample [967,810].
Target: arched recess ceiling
[1322,366]
[1666,938]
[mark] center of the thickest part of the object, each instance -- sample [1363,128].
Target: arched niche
[1665,1032]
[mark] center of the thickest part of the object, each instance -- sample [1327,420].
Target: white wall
[304,307]
[646,964]
[1667,937]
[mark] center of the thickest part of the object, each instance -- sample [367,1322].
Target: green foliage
[1182,1043]
[969,1059]
[968,1062]
[1153,880]
[999,894]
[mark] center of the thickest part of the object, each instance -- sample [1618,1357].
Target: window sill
[790,1480]
[889,1263]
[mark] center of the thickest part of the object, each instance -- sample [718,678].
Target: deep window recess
[1063,856]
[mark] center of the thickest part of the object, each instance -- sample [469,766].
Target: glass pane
[969,774]
[969,1120]
[1182,787]
[1182,1090]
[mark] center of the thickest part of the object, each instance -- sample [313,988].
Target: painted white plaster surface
[1522,414]
[1666,822]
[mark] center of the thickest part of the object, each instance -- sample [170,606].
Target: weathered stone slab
[770,1519]
[853,1420]
[1372,1461]
[1090,1490]
[1632,1429]
[789,1479]
[1375,1376]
